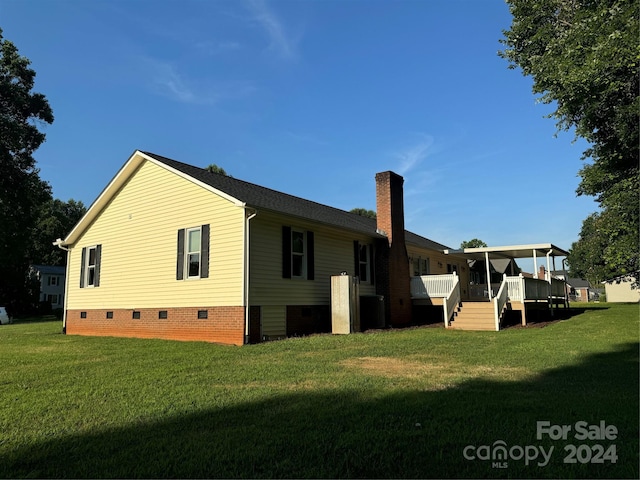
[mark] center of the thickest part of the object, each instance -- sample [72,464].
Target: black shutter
[83,259]
[96,279]
[372,265]
[204,252]
[356,258]
[311,273]
[180,261]
[286,252]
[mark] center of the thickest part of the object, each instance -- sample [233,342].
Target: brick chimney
[392,261]
[542,273]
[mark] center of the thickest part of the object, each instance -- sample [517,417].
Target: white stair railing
[451,302]
[500,301]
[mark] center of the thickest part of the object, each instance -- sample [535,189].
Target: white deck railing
[446,287]
[521,288]
[430,286]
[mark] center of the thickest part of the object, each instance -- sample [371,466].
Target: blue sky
[311,98]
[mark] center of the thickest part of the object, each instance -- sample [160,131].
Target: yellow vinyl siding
[138,233]
[333,251]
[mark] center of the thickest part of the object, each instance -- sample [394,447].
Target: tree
[213,168]
[22,192]
[583,57]
[473,243]
[363,212]
[586,259]
[56,220]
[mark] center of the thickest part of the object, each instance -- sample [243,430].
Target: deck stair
[474,316]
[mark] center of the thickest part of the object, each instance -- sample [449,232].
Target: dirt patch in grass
[436,371]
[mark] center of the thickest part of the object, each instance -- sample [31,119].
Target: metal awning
[534,251]
[511,251]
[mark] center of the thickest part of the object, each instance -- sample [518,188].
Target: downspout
[246,275]
[58,243]
[566,276]
[547,275]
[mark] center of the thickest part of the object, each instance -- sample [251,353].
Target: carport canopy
[534,251]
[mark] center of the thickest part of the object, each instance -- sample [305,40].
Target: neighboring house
[169,250]
[578,289]
[52,281]
[622,289]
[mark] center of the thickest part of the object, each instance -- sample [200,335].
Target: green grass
[402,403]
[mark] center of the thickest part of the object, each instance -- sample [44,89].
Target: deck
[486,311]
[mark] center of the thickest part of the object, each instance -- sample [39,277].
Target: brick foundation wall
[222,325]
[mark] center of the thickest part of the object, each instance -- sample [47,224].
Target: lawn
[414,403]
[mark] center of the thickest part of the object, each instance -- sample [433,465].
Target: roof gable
[242,194]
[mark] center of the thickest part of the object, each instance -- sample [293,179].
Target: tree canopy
[213,168]
[56,220]
[363,212]
[22,192]
[583,57]
[473,243]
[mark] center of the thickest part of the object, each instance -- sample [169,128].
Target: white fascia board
[107,194]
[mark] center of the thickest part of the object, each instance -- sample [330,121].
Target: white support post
[486,259]
[535,265]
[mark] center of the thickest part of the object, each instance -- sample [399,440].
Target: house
[622,289]
[51,280]
[173,251]
[169,250]
[578,289]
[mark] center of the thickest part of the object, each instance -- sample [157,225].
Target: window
[297,253]
[110,315]
[419,266]
[163,314]
[53,281]
[452,267]
[363,254]
[90,266]
[135,315]
[203,314]
[52,299]
[193,253]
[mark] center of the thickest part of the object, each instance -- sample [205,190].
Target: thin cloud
[279,41]
[217,48]
[168,81]
[414,155]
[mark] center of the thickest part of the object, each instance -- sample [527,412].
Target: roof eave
[116,183]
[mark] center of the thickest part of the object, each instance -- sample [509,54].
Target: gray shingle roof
[260,197]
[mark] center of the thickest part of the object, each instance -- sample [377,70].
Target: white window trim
[88,268]
[188,252]
[303,255]
[366,262]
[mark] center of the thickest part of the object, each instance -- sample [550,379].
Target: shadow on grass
[39,319]
[356,434]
